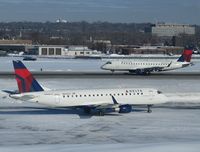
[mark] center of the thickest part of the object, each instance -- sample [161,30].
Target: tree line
[83,33]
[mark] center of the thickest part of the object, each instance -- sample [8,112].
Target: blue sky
[173,11]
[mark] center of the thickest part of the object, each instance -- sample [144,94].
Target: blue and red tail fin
[186,56]
[25,80]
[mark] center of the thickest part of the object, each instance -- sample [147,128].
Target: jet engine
[125,108]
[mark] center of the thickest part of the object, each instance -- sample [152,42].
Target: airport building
[65,51]
[51,50]
[15,45]
[169,30]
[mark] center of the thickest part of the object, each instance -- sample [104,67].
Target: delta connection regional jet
[98,101]
[147,67]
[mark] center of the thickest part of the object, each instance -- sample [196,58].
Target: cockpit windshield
[108,62]
[159,92]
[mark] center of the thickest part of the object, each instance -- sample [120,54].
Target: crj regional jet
[146,67]
[99,101]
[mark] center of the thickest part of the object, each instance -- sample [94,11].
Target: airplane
[147,67]
[98,101]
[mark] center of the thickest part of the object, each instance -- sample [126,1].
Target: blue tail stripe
[181,59]
[18,65]
[35,86]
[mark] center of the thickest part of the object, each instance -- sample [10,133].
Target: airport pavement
[102,74]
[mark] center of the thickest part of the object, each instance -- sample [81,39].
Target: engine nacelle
[117,109]
[125,109]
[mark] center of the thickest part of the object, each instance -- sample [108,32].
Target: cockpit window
[108,62]
[159,92]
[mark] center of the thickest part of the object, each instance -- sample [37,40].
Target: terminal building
[65,51]
[170,30]
[15,45]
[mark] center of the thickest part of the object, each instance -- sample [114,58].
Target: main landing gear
[149,108]
[100,113]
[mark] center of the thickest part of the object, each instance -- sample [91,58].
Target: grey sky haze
[173,11]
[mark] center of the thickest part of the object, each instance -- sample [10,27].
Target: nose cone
[104,67]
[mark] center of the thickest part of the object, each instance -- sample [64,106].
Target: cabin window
[89,95]
[118,94]
[93,95]
[76,95]
[129,93]
[85,95]
[80,95]
[122,94]
[101,94]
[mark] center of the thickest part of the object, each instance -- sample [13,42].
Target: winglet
[114,100]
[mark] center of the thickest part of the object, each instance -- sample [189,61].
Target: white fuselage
[73,98]
[129,65]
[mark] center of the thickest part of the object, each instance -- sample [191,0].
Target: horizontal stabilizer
[10,91]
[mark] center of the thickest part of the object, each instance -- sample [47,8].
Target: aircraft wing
[152,69]
[115,104]
[106,108]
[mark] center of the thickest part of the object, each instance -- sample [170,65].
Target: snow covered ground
[174,126]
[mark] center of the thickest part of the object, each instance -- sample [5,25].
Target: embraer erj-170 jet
[96,100]
[146,67]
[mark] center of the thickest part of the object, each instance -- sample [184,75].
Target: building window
[51,51]
[44,51]
[58,51]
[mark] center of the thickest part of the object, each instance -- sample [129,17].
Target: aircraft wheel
[101,113]
[149,109]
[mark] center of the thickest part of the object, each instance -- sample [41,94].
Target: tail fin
[25,80]
[186,56]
